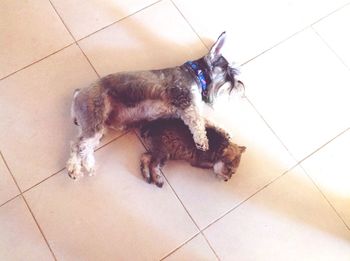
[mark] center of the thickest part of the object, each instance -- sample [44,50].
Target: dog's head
[222,74]
[229,161]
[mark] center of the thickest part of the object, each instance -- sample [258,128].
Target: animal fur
[121,99]
[171,139]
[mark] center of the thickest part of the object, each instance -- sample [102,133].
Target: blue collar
[201,76]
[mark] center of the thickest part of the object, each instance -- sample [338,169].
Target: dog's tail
[72,111]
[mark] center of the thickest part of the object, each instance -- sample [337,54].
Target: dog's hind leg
[196,123]
[82,155]
[89,110]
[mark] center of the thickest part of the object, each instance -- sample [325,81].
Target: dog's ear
[215,50]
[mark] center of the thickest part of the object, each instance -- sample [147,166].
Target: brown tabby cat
[171,139]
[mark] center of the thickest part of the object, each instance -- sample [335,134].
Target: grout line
[57,172]
[275,45]
[189,24]
[37,61]
[75,41]
[21,194]
[117,21]
[40,229]
[8,169]
[54,174]
[271,129]
[329,14]
[324,196]
[10,200]
[252,195]
[294,34]
[183,205]
[322,146]
[188,213]
[180,246]
[330,48]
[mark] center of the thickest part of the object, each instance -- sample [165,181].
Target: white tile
[8,188]
[302,91]
[250,25]
[253,26]
[329,168]
[20,238]
[333,30]
[114,215]
[36,126]
[196,249]
[29,31]
[85,17]
[206,197]
[289,220]
[155,38]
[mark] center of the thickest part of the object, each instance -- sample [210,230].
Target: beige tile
[206,197]
[8,188]
[299,87]
[253,26]
[329,168]
[312,10]
[29,30]
[157,37]
[196,249]
[36,126]
[289,220]
[85,17]
[333,30]
[20,238]
[114,215]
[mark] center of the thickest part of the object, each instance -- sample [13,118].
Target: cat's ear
[242,148]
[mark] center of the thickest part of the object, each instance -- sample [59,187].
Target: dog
[121,99]
[170,139]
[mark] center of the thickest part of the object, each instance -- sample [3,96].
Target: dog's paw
[203,146]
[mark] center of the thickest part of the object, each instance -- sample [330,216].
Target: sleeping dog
[121,99]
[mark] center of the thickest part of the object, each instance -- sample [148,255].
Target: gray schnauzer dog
[122,99]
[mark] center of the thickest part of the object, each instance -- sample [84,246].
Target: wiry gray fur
[121,99]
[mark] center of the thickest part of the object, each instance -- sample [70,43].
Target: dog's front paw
[204,146]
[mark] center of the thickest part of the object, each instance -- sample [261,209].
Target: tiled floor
[290,199]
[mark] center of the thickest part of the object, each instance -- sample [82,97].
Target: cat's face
[227,165]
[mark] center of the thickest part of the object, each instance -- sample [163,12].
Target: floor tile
[157,37]
[8,188]
[114,215]
[196,249]
[20,238]
[36,126]
[25,38]
[333,30]
[206,197]
[288,220]
[86,17]
[253,26]
[250,31]
[329,168]
[299,87]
